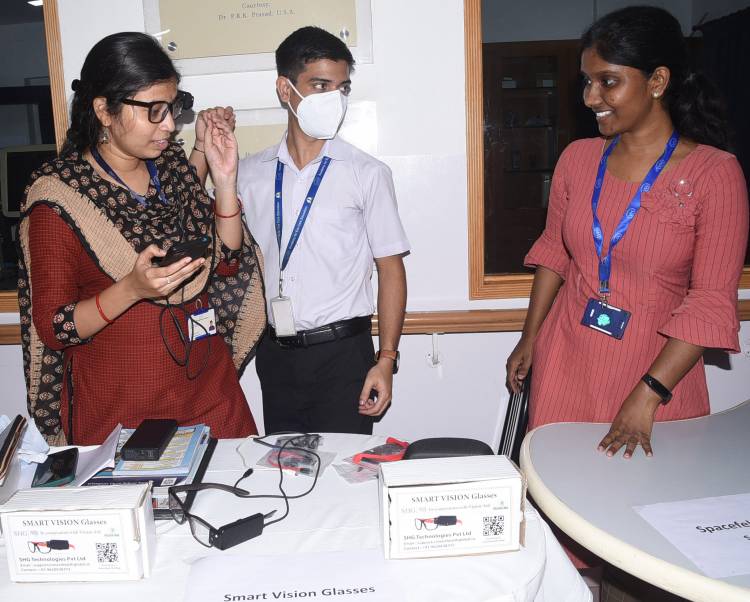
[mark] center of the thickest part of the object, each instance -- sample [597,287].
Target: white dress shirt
[354,219]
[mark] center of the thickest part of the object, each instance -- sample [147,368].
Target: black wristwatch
[658,388]
[391,355]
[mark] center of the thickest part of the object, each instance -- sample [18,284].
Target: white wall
[417,84]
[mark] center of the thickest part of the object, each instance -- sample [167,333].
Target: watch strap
[657,387]
[390,354]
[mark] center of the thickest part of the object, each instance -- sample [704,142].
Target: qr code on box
[107,553]
[493,525]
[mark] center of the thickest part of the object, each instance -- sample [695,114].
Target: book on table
[185,463]
[175,461]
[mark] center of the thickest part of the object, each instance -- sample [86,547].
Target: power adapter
[237,532]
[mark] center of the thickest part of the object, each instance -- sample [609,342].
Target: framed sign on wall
[227,36]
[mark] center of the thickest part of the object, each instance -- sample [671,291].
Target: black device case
[149,440]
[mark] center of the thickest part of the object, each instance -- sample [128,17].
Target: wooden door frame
[9,299]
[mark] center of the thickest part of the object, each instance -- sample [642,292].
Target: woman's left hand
[633,423]
[221,152]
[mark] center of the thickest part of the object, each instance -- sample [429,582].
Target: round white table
[591,497]
[336,516]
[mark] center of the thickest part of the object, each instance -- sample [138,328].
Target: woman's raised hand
[220,146]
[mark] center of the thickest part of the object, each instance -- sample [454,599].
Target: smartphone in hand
[193,248]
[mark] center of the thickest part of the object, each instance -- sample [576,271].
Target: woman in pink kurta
[676,270]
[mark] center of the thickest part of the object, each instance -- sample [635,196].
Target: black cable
[245,474]
[287,445]
[187,344]
[185,341]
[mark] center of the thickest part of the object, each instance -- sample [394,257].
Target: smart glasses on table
[158,109]
[180,498]
[206,534]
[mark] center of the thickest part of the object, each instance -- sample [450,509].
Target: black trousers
[315,389]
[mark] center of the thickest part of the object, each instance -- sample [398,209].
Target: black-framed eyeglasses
[425,523]
[39,546]
[206,534]
[158,109]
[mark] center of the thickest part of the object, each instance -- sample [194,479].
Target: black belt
[323,334]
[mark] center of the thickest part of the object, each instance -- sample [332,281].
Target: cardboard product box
[451,506]
[79,533]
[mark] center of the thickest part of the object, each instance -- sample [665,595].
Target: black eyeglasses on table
[158,109]
[206,534]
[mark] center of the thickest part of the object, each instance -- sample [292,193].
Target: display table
[591,496]
[336,516]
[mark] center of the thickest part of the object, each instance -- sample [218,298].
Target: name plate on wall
[241,35]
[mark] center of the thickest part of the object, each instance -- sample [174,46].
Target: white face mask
[320,115]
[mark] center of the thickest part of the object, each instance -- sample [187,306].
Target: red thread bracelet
[101,311]
[239,209]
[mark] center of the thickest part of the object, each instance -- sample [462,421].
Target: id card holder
[283,317]
[202,324]
[605,318]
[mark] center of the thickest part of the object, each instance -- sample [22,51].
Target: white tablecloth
[336,516]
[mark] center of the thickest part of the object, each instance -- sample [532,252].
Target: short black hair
[306,45]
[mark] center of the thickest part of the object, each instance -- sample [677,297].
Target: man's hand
[379,378]
[224,114]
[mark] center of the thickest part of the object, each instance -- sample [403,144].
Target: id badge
[202,324]
[283,317]
[605,318]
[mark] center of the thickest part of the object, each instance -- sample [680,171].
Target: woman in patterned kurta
[98,318]
[676,269]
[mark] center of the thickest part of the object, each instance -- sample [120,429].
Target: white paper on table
[713,532]
[97,458]
[364,576]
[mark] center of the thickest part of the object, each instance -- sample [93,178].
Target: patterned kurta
[80,234]
[676,270]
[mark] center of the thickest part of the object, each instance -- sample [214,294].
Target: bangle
[101,311]
[657,388]
[200,150]
[239,209]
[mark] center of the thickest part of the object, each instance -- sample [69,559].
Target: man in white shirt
[322,211]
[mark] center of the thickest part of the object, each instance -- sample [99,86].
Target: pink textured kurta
[676,270]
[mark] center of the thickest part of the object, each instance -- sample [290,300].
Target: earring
[104,136]
[656,94]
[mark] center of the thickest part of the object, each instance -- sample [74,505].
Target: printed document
[713,532]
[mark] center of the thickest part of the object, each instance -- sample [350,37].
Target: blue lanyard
[605,263]
[306,206]
[152,172]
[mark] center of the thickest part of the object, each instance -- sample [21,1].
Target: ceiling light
[36,2]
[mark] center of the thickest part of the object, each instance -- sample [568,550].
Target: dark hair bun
[117,67]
